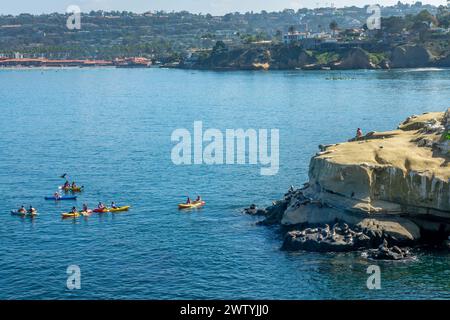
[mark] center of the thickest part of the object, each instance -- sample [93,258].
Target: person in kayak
[57,195]
[188,201]
[74,185]
[113,205]
[66,185]
[74,210]
[85,207]
[22,209]
[199,199]
[31,210]
[101,206]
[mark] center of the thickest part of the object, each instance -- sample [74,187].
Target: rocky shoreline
[279,57]
[382,193]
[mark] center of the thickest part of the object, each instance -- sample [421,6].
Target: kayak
[76,214]
[86,213]
[67,189]
[21,214]
[195,204]
[70,215]
[124,208]
[61,198]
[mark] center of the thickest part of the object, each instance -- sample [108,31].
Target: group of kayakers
[22,209]
[188,201]
[68,185]
[100,206]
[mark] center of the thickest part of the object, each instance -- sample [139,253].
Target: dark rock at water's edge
[384,252]
[339,238]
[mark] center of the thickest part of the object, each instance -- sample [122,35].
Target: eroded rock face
[356,58]
[411,56]
[388,186]
[390,177]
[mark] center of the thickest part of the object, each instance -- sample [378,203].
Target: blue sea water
[110,129]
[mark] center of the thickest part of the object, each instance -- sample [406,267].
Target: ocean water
[110,129]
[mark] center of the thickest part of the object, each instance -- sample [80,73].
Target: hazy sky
[204,6]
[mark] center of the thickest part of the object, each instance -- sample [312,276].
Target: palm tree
[333,26]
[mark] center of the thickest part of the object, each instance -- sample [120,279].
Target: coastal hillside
[281,57]
[390,185]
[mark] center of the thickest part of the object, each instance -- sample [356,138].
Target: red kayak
[100,210]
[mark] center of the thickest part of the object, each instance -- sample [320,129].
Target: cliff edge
[389,185]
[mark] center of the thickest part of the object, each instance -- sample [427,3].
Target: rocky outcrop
[384,252]
[356,58]
[390,186]
[289,57]
[411,56]
[443,62]
[340,238]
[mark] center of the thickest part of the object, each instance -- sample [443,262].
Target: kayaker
[57,195]
[101,205]
[85,207]
[22,209]
[188,201]
[66,184]
[113,205]
[31,210]
[199,198]
[74,185]
[74,210]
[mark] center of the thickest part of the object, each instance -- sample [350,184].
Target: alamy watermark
[74,20]
[374,21]
[235,146]
[74,277]
[374,280]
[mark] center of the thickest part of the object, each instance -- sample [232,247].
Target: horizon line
[218,15]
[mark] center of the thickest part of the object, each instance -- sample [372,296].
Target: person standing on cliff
[359,133]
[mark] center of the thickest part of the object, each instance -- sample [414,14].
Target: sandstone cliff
[411,56]
[394,184]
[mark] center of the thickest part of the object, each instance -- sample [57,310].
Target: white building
[296,36]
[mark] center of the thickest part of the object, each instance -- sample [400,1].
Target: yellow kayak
[124,208]
[191,205]
[70,215]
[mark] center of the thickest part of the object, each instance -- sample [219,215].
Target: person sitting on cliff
[359,133]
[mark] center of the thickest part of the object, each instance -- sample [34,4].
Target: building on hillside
[292,37]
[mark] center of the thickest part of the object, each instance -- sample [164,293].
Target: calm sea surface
[110,129]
